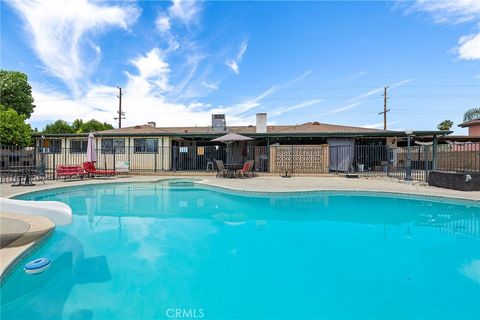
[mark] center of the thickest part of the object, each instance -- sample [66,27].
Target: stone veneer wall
[299,158]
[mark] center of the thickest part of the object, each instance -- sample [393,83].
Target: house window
[145,145]
[50,146]
[108,145]
[78,146]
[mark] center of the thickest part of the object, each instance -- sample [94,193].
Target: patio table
[232,168]
[23,172]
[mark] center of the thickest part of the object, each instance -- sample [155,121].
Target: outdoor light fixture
[408,171]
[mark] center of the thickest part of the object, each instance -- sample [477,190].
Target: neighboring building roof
[471,123]
[461,138]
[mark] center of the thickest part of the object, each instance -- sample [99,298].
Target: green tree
[471,114]
[59,126]
[16,93]
[445,125]
[13,129]
[94,125]
[78,126]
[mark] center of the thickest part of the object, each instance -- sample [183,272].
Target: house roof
[471,123]
[308,129]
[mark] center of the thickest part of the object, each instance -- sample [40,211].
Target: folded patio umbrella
[231,137]
[91,149]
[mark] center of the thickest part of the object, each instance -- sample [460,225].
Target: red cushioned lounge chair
[70,172]
[90,168]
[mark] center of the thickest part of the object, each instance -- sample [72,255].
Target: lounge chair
[221,169]
[90,168]
[70,172]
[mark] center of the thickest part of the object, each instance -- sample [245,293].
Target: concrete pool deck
[18,248]
[270,184]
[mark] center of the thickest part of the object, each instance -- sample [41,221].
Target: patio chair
[244,171]
[251,164]
[90,168]
[221,169]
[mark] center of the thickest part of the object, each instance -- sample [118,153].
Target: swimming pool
[175,249]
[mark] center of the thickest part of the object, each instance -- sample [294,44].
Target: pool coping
[464,196]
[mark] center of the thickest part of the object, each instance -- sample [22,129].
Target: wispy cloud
[59,34]
[356,101]
[304,104]
[449,11]
[455,12]
[234,63]
[211,86]
[378,125]
[251,103]
[344,108]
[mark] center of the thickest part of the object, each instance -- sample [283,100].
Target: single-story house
[148,147]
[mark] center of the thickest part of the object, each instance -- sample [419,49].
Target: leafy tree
[13,129]
[59,126]
[471,114]
[78,126]
[94,125]
[16,93]
[445,125]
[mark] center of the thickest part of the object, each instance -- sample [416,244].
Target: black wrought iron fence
[297,159]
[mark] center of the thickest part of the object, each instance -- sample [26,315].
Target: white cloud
[234,63]
[152,75]
[469,47]
[59,33]
[162,23]
[379,125]
[297,106]
[251,103]
[345,108]
[211,86]
[356,101]
[450,11]
[455,12]
[185,11]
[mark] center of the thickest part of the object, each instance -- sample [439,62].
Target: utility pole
[121,115]
[385,110]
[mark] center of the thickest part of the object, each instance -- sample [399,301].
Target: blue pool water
[176,250]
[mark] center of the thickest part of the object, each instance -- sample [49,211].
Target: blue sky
[179,61]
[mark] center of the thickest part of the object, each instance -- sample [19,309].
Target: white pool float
[58,212]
